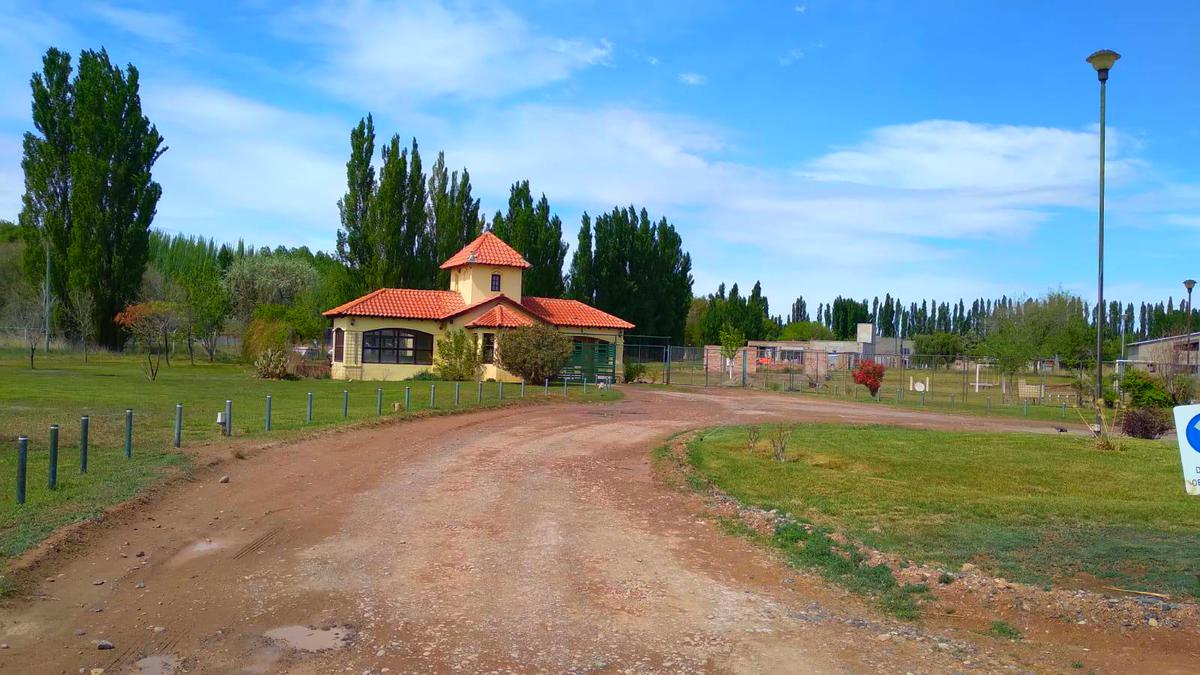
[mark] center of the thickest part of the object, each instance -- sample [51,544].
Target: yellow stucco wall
[352,368]
[474,282]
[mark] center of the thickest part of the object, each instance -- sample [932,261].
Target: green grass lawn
[61,389]
[1035,508]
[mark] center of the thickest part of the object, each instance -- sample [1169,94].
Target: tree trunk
[31,350]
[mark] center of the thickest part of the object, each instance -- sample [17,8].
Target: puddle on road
[157,664]
[195,550]
[307,639]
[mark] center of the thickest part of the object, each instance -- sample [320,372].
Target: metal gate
[591,358]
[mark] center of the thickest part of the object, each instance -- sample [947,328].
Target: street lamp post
[1102,61]
[1189,285]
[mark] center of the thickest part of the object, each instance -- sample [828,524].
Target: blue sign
[1193,433]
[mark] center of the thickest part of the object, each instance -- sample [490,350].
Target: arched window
[339,344]
[397,345]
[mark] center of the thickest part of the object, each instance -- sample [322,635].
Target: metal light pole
[1102,61]
[1189,285]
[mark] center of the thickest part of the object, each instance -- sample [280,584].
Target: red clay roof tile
[501,317]
[402,303]
[561,312]
[487,249]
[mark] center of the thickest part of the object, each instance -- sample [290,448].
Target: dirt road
[525,539]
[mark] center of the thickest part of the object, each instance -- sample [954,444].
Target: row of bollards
[226,423]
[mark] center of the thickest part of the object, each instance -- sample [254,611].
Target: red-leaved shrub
[869,374]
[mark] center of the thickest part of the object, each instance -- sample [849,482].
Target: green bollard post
[546,387]
[500,390]
[585,383]
[178,424]
[379,401]
[228,417]
[308,415]
[479,393]
[407,399]
[989,405]
[83,443]
[922,399]
[432,395]
[128,433]
[457,394]
[564,386]
[22,459]
[267,424]
[1026,402]
[345,403]
[522,388]
[53,474]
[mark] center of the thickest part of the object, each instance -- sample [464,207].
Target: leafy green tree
[458,358]
[536,234]
[581,284]
[260,280]
[805,330]
[402,248]
[535,353]
[353,237]
[939,345]
[89,193]
[455,214]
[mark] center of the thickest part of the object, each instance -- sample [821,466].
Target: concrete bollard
[546,387]
[52,479]
[22,459]
[308,415]
[128,433]
[267,424]
[178,424]
[83,443]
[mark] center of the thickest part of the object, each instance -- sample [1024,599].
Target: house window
[495,282]
[489,347]
[339,344]
[397,345]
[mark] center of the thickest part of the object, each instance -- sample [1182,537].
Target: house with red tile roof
[392,333]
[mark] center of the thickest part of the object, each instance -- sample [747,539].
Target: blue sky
[929,149]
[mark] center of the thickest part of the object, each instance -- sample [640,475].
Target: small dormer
[485,268]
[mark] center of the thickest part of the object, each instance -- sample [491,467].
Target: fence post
[407,398]
[228,417]
[128,433]
[308,417]
[457,393]
[53,477]
[667,351]
[500,389]
[745,351]
[345,403]
[522,388]
[267,425]
[178,424]
[479,392]
[22,458]
[433,395]
[379,401]
[83,442]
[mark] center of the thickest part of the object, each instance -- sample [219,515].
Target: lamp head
[1189,285]
[1103,61]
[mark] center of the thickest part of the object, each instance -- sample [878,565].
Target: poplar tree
[536,234]
[353,247]
[454,213]
[89,193]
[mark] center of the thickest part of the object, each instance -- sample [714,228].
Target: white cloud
[792,56]
[241,168]
[150,26]
[653,60]
[693,79]
[800,9]
[379,52]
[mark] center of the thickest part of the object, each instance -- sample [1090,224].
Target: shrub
[423,376]
[1145,422]
[1144,390]
[752,437]
[780,436]
[634,371]
[264,334]
[870,375]
[458,357]
[535,353]
[272,364]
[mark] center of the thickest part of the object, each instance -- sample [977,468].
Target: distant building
[1165,351]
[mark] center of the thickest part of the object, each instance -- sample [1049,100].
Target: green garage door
[591,358]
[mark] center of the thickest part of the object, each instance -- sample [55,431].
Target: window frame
[488,347]
[495,282]
[339,345]
[397,347]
